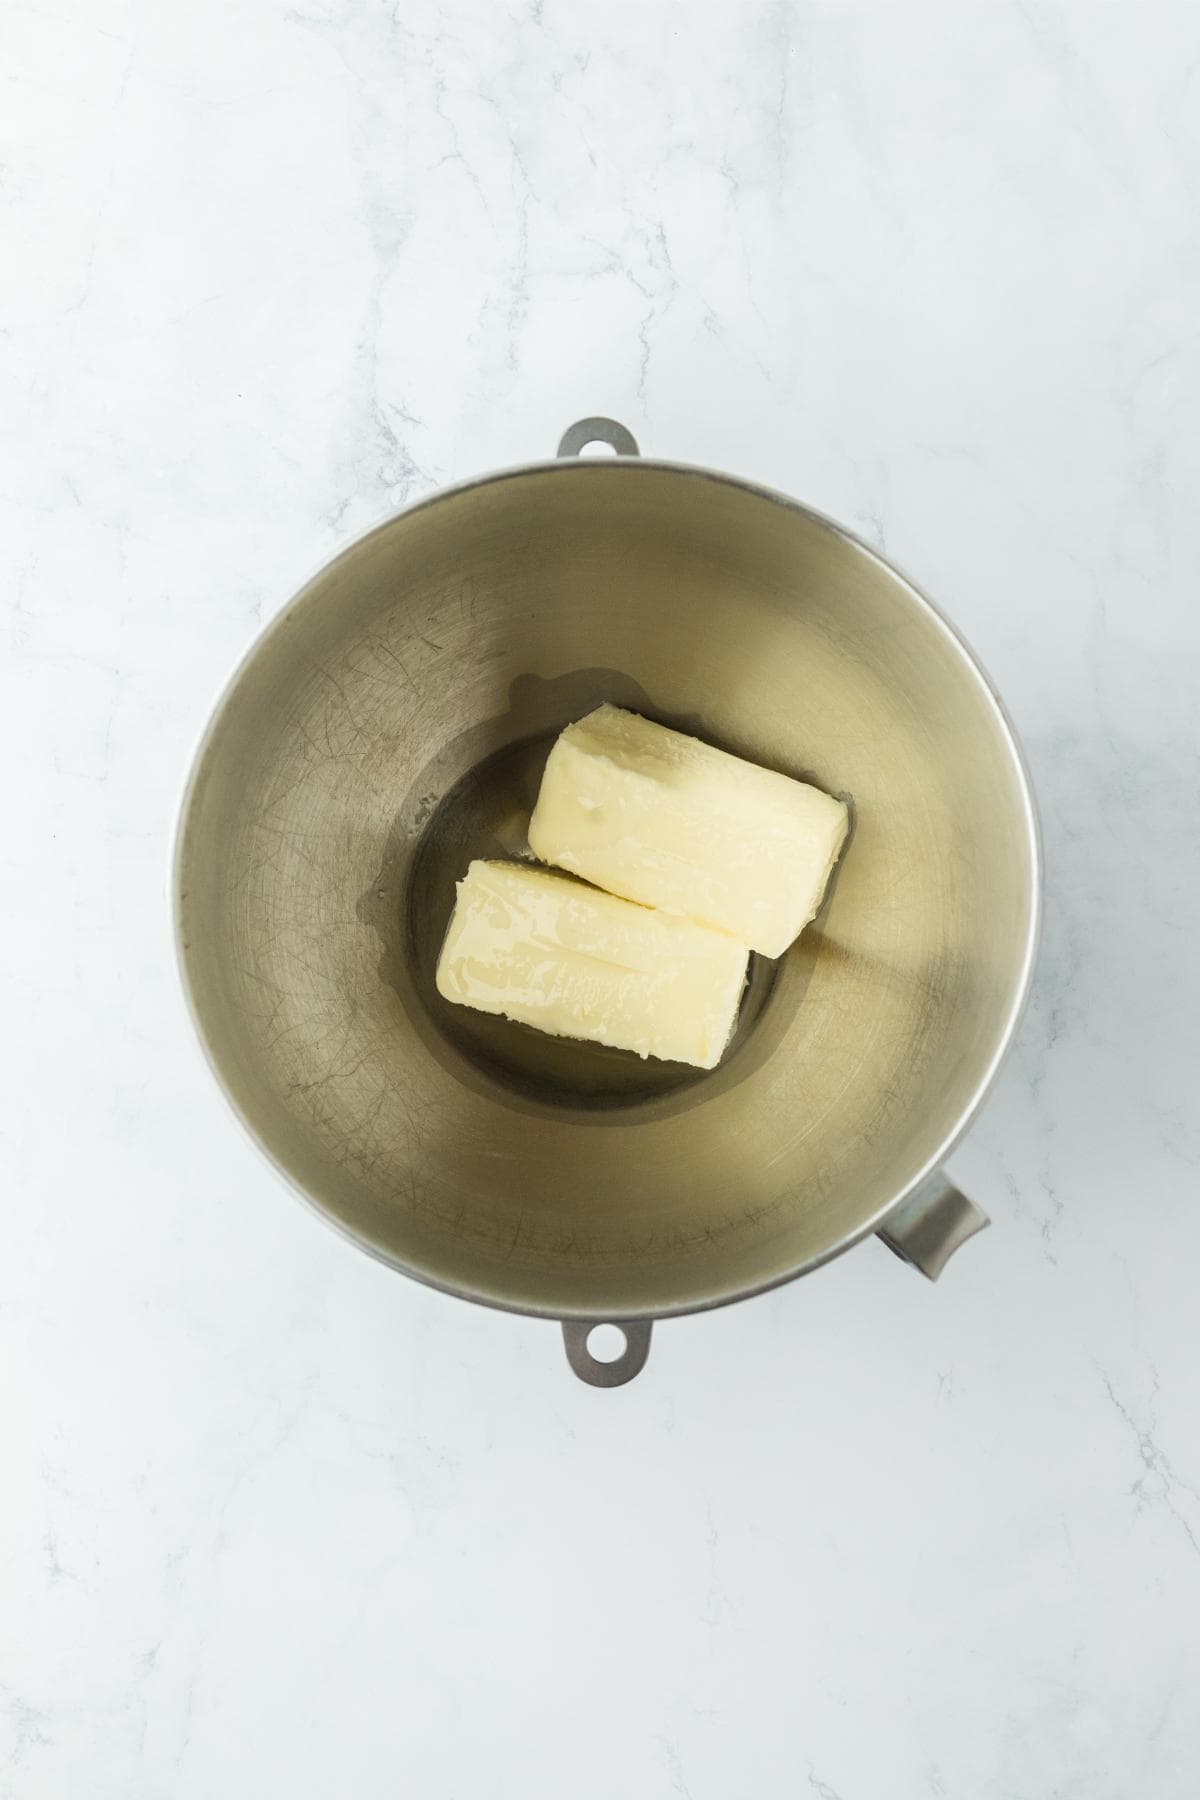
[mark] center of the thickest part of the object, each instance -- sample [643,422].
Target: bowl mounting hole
[607,1343]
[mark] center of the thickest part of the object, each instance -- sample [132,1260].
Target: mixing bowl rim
[576,468]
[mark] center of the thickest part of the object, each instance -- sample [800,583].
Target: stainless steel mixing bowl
[392,723]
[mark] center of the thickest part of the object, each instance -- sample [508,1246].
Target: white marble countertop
[276,1521]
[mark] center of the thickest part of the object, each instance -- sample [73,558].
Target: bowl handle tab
[589,1368]
[928,1227]
[583,432]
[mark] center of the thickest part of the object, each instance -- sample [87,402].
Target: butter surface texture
[547,951]
[666,820]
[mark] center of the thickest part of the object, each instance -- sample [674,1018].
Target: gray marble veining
[274,1520]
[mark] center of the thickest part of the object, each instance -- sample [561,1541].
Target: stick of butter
[548,951]
[668,821]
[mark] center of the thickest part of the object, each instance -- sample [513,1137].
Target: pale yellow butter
[668,821]
[548,951]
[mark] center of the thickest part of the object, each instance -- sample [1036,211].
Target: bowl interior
[393,723]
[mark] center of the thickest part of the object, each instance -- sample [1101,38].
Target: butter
[548,951]
[665,820]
